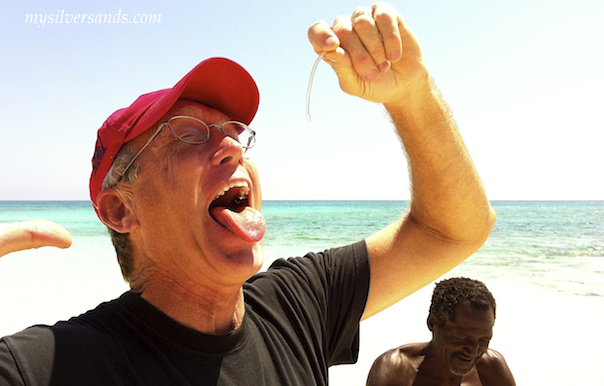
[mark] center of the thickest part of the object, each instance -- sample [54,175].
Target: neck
[200,308]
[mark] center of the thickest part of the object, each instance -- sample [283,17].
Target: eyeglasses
[193,131]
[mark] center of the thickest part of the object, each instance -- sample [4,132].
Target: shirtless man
[462,315]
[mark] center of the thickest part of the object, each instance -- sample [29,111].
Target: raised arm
[32,234]
[376,57]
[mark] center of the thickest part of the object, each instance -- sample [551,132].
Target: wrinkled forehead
[467,316]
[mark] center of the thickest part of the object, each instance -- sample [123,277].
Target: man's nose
[226,148]
[472,349]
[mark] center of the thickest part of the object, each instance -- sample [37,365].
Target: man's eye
[458,339]
[192,135]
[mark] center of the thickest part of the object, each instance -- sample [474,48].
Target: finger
[368,32]
[360,58]
[387,20]
[32,234]
[322,37]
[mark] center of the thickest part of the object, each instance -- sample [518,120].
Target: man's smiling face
[462,341]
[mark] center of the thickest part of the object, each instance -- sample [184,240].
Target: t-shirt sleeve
[9,372]
[27,357]
[347,290]
[324,294]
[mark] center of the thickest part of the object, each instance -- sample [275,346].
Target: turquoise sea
[559,245]
[555,244]
[544,262]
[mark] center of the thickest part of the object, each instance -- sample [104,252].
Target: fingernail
[394,55]
[330,41]
[384,66]
[372,74]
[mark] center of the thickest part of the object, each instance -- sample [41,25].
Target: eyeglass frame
[167,123]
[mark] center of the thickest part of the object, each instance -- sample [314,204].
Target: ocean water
[295,227]
[557,245]
[544,262]
[543,241]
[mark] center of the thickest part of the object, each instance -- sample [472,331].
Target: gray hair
[121,241]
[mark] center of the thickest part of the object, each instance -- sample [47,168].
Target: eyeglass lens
[194,131]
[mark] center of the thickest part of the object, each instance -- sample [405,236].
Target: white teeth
[244,189]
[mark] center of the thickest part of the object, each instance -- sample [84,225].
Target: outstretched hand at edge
[32,234]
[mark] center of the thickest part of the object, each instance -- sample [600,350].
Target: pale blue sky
[523,78]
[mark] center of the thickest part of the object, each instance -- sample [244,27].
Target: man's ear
[116,212]
[431,322]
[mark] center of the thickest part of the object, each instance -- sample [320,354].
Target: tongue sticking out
[248,223]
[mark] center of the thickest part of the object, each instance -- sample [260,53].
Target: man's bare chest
[470,379]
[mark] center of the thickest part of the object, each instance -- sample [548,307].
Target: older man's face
[464,340]
[199,205]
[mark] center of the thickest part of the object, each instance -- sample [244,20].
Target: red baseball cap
[219,83]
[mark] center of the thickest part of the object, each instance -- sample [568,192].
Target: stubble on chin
[460,372]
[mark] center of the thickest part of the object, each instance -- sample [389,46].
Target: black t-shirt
[301,317]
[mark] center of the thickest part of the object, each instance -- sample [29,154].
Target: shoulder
[352,254]
[494,370]
[27,355]
[350,262]
[332,283]
[94,325]
[396,366]
[492,359]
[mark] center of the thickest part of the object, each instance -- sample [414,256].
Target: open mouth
[231,209]
[234,197]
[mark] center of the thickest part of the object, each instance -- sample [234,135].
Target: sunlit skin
[458,354]
[182,252]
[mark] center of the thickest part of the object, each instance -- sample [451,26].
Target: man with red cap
[182,200]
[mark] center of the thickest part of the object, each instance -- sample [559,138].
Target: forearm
[450,216]
[447,193]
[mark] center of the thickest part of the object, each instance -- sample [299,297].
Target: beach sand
[46,285]
[547,338]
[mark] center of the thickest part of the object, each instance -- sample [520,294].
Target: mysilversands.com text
[93,18]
